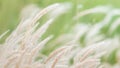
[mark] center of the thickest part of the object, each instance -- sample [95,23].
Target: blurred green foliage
[10,9]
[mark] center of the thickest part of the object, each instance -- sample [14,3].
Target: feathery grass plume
[98,9]
[64,8]
[90,56]
[22,45]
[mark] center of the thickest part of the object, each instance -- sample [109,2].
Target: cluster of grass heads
[85,22]
[22,46]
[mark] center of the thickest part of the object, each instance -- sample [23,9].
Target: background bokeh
[10,10]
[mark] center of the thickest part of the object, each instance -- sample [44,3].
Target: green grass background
[10,9]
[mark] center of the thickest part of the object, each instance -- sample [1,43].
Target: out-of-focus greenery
[10,9]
